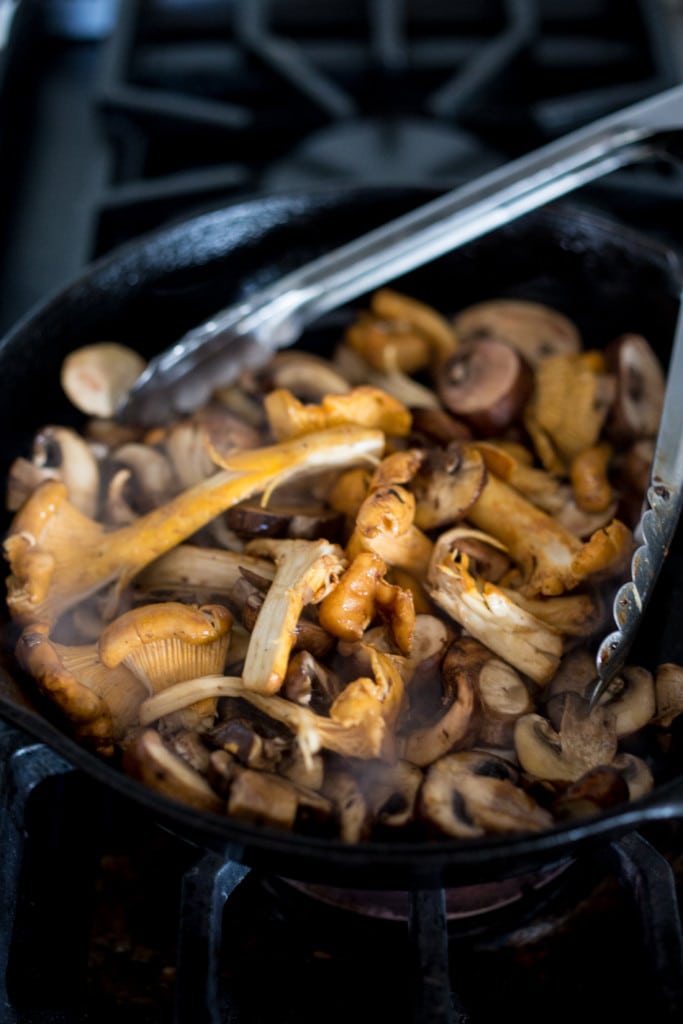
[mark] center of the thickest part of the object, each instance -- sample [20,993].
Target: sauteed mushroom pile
[359,595]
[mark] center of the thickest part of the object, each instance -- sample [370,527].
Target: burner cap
[405,152]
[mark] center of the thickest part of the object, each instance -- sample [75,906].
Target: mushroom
[487,614]
[307,376]
[640,378]
[305,573]
[262,798]
[487,383]
[59,453]
[302,520]
[152,479]
[97,377]
[454,726]
[310,682]
[100,702]
[597,790]
[147,758]
[363,406]
[590,480]
[405,389]
[385,525]
[572,399]
[447,484]
[502,697]
[669,693]
[201,574]
[166,643]
[360,724]
[389,304]
[636,774]
[551,558]
[586,739]
[349,804]
[58,556]
[534,329]
[630,697]
[390,792]
[362,593]
[469,793]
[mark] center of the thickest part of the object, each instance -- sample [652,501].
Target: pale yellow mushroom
[58,556]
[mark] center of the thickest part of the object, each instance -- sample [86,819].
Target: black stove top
[112,128]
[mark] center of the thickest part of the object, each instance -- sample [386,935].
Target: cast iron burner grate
[108,917]
[208,101]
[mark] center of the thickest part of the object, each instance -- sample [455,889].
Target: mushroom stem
[58,556]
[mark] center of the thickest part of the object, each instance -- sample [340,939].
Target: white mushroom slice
[630,696]
[636,774]
[153,480]
[470,793]
[585,740]
[306,571]
[503,698]
[149,760]
[96,378]
[669,693]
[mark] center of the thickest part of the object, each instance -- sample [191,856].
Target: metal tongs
[246,335]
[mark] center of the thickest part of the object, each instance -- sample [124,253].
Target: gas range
[170,107]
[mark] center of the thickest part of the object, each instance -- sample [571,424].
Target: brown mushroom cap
[534,329]
[487,383]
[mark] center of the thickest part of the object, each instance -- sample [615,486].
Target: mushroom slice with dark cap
[390,790]
[147,758]
[534,329]
[267,799]
[487,383]
[470,793]
[454,725]
[447,484]
[640,378]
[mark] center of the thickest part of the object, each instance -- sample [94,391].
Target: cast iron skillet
[146,293]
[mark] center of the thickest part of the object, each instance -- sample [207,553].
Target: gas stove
[156,110]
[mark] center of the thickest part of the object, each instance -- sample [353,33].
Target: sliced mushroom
[487,383]
[586,739]
[503,697]
[455,724]
[262,798]
[446,486]
[669,693]
[599,789]
[349,804]
[469,793]
[391,792]
[297,520]
[535,330]
[640,378]
[636,774]
[97,377]
[630,697]
[307,376]
[147,758]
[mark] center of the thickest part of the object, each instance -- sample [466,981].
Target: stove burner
[381,151]
[461,904]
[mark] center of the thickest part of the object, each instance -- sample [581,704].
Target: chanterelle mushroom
[58,556]
[165,643]
[100,701]
[305,573]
